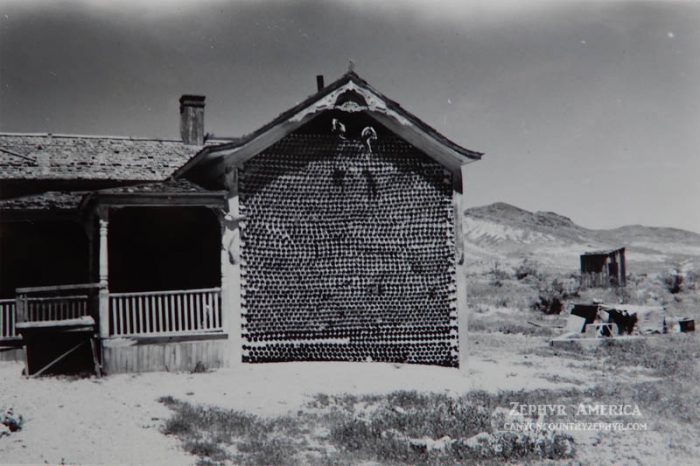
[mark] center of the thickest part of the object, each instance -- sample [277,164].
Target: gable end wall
[347,253]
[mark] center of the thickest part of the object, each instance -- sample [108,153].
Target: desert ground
[121,419]
[378,413]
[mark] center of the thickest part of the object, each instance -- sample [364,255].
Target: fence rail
[165,312]
[8,319]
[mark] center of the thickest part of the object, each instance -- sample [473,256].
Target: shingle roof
[51,200]
[71,200]
[170,186]
[170,192]
[65,157]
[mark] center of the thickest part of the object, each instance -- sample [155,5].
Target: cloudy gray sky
[587,108]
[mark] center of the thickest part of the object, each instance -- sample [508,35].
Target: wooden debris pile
[597,320]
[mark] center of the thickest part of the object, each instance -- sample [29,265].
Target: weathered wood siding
[11,353]
[124,355]
[604,270]
[347,253]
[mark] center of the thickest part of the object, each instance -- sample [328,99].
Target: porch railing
[56,308]
[7,320]
[165,312]
[130,314]
[62,302]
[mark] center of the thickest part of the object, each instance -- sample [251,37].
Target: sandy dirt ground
[116,419]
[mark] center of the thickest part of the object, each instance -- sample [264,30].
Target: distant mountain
[508,234]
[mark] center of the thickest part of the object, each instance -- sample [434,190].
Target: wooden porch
[157,313]
[122,320]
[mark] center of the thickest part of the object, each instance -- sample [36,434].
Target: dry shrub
[668,356]
[498,275]
[527,269]
[405,425]
[679,279]
[393,431]
[207,431]
[673,280]
[553,295]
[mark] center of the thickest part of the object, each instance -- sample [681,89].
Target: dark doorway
[164,248]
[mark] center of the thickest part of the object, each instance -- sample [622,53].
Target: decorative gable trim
[349,94]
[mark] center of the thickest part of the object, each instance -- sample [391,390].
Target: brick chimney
[192,119]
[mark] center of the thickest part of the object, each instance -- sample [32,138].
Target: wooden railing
[165,312]
[56,308]
[7,320]
[38,304]
[130,314]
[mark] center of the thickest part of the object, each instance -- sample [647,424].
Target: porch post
[103,269]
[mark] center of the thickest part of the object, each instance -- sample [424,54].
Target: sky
[590,109]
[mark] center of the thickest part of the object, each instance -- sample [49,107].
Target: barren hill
[506,234]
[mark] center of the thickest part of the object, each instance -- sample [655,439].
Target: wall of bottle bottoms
[347,253]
